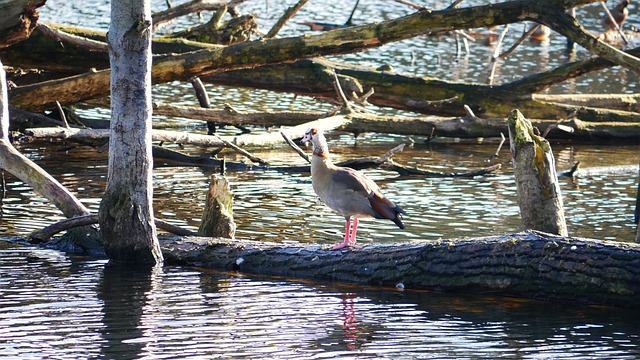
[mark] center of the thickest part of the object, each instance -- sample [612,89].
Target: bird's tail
[398,217]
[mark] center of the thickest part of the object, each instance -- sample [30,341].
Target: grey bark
[126,211]
[537,184]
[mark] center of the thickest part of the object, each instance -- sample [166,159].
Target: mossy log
[534,168]
[530,264]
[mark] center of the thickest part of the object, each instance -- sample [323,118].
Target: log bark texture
[530,264]
[537,184]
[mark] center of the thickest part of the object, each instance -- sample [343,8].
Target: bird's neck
[321,149]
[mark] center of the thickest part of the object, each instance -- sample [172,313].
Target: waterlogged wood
[534,168]
[251,54]
[530,264]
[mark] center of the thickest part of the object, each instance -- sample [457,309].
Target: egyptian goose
[619,13]
[347,191]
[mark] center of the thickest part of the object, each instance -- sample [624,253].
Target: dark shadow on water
[123,289]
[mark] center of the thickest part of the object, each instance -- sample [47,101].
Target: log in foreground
[529,264]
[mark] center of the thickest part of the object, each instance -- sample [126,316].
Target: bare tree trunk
[126,210]
[536,179]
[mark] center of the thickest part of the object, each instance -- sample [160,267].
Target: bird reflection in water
[349,322]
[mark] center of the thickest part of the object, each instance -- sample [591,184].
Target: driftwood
[534,168]
[44,234]
[531,264]
[188,138]
[214,59]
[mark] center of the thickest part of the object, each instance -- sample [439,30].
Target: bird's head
[309,135]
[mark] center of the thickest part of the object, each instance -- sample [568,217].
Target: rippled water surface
[54,306]
[58,306]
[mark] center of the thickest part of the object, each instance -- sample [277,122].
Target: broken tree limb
[231,116]
[539,195]
[530,264]
[264,139]
[314,77]
[18,18]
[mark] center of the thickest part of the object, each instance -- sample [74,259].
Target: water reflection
[55,306]
[123,291]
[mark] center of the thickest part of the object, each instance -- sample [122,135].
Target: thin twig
[338,88]
[63,117]
[242,151]
[496,53]
[390,153]
[497,153]
[291,12]
[411,4]
[295,147]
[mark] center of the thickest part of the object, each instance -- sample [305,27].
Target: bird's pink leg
[352,239]
[346,242]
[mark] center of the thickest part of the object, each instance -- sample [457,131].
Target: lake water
[54,305]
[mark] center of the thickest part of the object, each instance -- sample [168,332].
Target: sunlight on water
[52,305]
[56,306]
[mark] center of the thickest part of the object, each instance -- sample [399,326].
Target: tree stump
[536,179]
[217,217]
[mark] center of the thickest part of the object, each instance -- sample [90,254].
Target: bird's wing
[354,180]
[351,179]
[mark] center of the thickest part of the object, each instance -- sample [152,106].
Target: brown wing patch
[353,180]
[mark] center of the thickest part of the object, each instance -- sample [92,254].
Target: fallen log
[215,59]
[530,264]
[264,139]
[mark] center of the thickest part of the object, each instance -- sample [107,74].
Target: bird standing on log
[347,191]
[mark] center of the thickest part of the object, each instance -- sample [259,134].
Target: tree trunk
[126,210]
[530,264]
[536,180]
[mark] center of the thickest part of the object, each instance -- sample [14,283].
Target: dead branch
[291,12]
[47,232]
[58,35]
